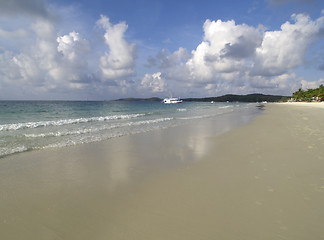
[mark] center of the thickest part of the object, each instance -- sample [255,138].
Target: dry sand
[307,104]
[264,180]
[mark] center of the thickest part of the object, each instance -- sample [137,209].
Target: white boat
[172,100]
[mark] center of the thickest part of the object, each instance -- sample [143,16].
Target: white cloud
[49,63]
[225,48]
[35,60]
[154,83]
[198,68]
[237,57]
[279,83]
[313,84]
[72,45]
[29,66]
[74,51]
[224,36]
[119,61]
[285,49]
[26,67]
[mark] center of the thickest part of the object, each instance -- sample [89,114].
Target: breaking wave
[18,126]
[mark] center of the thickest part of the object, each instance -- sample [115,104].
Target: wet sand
[263,180]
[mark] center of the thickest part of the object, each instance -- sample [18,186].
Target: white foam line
[18,126]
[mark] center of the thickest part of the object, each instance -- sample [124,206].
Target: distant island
[256,97]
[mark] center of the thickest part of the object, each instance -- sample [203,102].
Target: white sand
[306,104]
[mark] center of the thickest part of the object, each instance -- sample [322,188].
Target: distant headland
[256,97]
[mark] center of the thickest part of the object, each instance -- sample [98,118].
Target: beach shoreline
[261,180]
[306,104]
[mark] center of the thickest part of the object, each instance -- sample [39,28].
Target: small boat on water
[172,100]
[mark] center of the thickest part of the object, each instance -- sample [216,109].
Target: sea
[36,125]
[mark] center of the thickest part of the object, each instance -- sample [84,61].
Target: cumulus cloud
[285,49]
[71,45]
[237,56]
[225,47]
[73,51]
[118,62]
[31,64]
[154,83]
[227,39]
[49,63]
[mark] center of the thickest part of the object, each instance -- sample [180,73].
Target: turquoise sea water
[30,125]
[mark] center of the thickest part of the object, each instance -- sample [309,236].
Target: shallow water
[30,125]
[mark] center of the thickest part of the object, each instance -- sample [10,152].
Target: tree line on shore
[316,94]
[256,97]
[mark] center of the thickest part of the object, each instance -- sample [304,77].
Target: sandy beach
[263,180]
[306,104]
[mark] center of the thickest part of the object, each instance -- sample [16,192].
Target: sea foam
[18,126]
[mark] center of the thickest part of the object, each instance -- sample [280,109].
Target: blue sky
[77,50]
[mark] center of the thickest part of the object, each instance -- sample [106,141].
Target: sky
[110,49]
